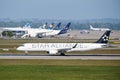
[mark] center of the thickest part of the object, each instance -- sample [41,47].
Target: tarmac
[66,57]
[90,34]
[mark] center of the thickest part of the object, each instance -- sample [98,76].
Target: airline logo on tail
[104,38]
[64,30]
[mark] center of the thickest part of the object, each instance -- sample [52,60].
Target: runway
[67,57]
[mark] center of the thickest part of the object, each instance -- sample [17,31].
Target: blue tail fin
[27,25]
[104,38]
[58,25]
[64,30]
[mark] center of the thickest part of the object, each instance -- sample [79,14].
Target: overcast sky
[60,9]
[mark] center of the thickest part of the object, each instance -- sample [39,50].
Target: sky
[60,9]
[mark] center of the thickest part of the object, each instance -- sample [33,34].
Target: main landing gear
[62,54]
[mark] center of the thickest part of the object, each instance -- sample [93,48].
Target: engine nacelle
[53,52]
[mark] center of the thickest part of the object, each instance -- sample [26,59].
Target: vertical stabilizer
[91,27]
[64,30]
[104,38]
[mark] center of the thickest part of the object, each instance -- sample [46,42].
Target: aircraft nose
[19,48]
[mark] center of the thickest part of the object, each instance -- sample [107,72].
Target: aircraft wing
[61,50]
[64,49]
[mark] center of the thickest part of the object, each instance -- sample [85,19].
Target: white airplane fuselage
[99,29]
[32,32]
[53,48]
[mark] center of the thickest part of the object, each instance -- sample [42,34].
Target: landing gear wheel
[62,54]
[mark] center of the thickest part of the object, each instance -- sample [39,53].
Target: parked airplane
[99,29]
[54,48]
[34,32]
[47,32]
[18,31]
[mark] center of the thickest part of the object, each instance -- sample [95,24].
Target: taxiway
[71,56]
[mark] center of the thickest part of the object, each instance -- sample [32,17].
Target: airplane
[18,31]
[46,32]
[35,32]
[61,48]
[58,32]
[98,29]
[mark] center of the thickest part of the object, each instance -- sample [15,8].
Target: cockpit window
[22,45]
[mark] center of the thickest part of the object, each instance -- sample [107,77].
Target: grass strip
[59,70]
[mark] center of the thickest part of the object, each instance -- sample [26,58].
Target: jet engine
[53,52]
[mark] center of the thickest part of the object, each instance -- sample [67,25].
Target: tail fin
[104,38]
[64,30]
[45,25]
[91,27]
[58,25]
[27,25]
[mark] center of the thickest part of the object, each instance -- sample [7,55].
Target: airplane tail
[44,25]
[27,25]
[58,25]
[64,30]
[91,27]
[104,38]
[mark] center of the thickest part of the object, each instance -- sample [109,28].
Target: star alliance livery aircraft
[61,48]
